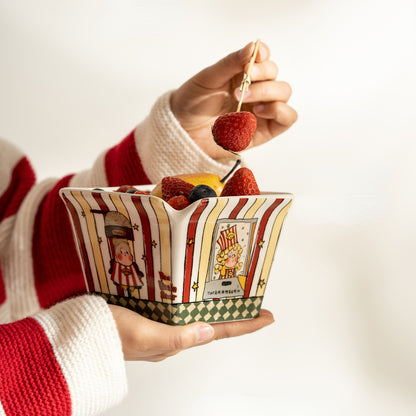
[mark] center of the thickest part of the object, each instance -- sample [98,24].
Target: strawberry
[172,186]
[142,192]
[234,131]
[241,183]
[125,188]
[179,202]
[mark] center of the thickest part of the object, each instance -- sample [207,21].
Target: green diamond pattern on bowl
[184,313]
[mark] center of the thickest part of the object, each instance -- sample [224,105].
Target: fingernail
[237,93]
[204,333]
[258,108]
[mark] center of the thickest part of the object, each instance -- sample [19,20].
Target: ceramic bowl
[208,262]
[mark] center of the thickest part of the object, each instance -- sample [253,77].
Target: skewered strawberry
[234,131]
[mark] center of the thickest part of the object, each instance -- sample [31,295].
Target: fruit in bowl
[194,187]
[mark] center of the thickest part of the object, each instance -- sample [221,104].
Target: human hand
[146,340]
[215,91]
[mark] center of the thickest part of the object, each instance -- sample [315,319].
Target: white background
[76,76]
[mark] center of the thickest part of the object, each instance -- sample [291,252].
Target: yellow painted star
[154,244]
[195,286]
[190,241]
[260,243]
[135,227]
[262,283]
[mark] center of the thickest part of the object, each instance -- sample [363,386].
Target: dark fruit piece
[201,191]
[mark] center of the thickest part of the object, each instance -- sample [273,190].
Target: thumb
[217,75]
[183,337]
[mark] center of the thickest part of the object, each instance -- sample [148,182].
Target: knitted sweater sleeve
[60,360]
[59,348]
[66,360]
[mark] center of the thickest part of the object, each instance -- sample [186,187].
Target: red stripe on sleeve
[123,165]
[31,381]
[56,264]
[22,179]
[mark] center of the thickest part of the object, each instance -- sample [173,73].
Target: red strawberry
[241,183]
[142,193]
[179,202]
[234,131]
[125,188]
[172,186]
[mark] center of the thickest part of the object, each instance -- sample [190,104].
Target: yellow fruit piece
[214,181]
[157,190]
[210,179]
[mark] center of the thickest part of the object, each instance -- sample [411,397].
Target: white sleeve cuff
[85,340]
[166,149]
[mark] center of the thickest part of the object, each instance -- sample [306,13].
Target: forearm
[66,360]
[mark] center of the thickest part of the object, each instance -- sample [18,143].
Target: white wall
[75,76]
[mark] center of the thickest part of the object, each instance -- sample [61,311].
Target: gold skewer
[246,79]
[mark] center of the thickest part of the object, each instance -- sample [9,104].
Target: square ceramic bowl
[208,262]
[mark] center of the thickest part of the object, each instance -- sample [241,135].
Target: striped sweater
[60,353]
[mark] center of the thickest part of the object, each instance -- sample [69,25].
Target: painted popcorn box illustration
[208,262]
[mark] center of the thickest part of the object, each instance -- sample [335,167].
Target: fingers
[263,71]
[235,329]
[178,338]
[146,340]
[199,333]
[219,74]
[266,91]
[183,337]
[279,112]
[263,54]
[164,338]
